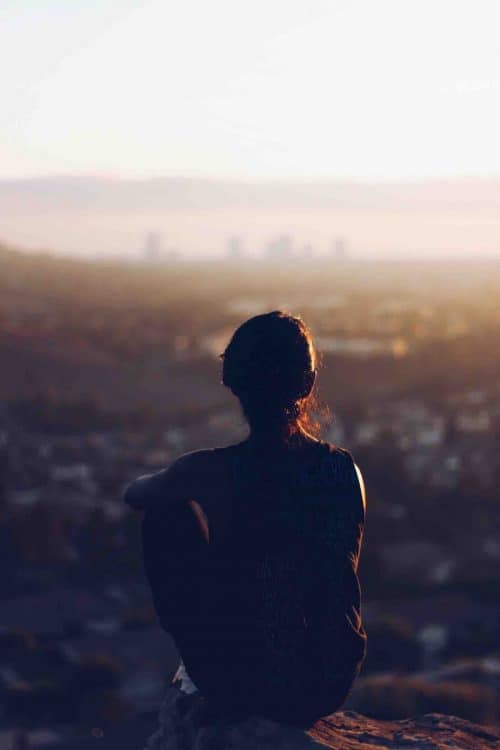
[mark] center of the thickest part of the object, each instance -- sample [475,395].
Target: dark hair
[270,365]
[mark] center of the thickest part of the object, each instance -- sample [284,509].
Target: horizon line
[265,180]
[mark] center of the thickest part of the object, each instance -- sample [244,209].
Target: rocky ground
[347,730]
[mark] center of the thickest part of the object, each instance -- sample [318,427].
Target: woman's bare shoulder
[147,489]
[199,463]
[192,460]
[186,476]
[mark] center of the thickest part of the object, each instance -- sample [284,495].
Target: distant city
[281,247]
[167,219]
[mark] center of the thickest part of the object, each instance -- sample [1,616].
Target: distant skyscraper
[339,248]
[280,248]
[234,248]
[173,254]
[153,247]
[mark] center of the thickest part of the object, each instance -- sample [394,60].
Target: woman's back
[274,625]
[267,614]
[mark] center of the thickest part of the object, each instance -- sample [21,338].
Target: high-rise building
[307,251]
[281,248]
[339,248]
[173,254]
[153,247]
[234,248]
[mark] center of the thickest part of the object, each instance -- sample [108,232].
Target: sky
[268,89]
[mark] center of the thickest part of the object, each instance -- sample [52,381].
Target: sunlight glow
[281,88]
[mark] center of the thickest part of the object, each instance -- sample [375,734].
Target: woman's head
[270,365]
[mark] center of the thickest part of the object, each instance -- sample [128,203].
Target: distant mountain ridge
[189,193]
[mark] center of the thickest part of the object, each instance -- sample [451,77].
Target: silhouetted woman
[252,550]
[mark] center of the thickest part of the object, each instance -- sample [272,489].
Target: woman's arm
[169,485]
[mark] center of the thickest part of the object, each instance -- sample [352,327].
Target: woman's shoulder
[204,457]
[181,477]
[207,465]
[193,461]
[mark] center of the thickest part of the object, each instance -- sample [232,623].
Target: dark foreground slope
[345,730]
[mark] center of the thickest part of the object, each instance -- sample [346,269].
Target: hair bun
[269,364]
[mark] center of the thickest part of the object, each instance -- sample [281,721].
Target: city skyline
[95,217]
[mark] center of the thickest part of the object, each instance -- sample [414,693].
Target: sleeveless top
[288,605]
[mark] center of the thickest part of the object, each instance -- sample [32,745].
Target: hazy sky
[374,89]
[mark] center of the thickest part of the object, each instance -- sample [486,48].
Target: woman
[252,550]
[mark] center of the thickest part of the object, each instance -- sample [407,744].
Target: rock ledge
[348,730]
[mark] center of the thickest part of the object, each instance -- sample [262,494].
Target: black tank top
[286,572]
